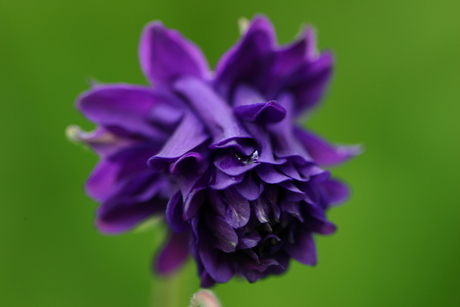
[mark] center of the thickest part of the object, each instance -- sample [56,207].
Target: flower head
[220,156]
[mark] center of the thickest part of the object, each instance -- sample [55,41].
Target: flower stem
[166,291]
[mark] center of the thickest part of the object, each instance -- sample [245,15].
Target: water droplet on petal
[248,159]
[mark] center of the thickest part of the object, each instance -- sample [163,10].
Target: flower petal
[322,152]
[262,112]
[189,134]
[124,106]
[173,214]
[166,55]
[309,82]
[215,113]
[336,191]
[215,263]
[247,60]
[134,201]
[173,254]
[303,250]
[223,235]
[287,61]
[118,166]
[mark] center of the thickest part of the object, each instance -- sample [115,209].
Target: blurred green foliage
[396,90]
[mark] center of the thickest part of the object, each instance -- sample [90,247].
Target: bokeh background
[396,90]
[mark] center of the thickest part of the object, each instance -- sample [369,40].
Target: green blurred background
[396,90]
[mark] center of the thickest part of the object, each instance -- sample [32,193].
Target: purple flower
[219,155]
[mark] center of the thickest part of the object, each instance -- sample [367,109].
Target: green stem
[166,291]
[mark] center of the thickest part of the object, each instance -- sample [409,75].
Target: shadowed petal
[303,250]
[223,235]
[248,59]
[336,191]
[126,162]
[215,113]
[215,264]
[287,61]
[134,201]
[309,82]
[125,106]
[322,152]
[262,112]
[165,55]
[174,211]
[187,136]
[173,254]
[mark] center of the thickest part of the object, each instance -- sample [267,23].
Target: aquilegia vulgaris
[220,155]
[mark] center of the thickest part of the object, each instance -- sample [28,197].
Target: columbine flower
[220,156]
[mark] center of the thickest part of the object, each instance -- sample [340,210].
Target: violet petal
[173,254]
[165,55]
[303,250]
[323,152]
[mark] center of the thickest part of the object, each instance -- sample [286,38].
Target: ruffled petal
[215,263]
[173,254]
[135,201]
[214,112]
[247,60]
[287,61]
[336,191]
[166,55]
[303,250]
[189,134]
[322,152]
[223,235]
[117,167]
[309,82]
[173,214]
[125,106]
[262,112]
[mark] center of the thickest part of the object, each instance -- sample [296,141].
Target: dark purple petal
[336,191]
[309,82]
[270,175]
[249,240]
[238,209]
[222,234]
[303,250]
[188,163]
[248,59]
[292,192]
[134,202]
[215,263]
[234,165]
[262,209]
[173,254]
[245,94]
[287,60]
[118,166]
[215,113]
[323,152]
[222,181]
[193,202]
[292,208]
[206,280]
[102,180]
[189,134]
[166,55]
[250,188]
[283,141]
[262,112]
[125,106]
[174,211]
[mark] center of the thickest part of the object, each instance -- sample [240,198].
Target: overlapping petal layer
[238,183]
